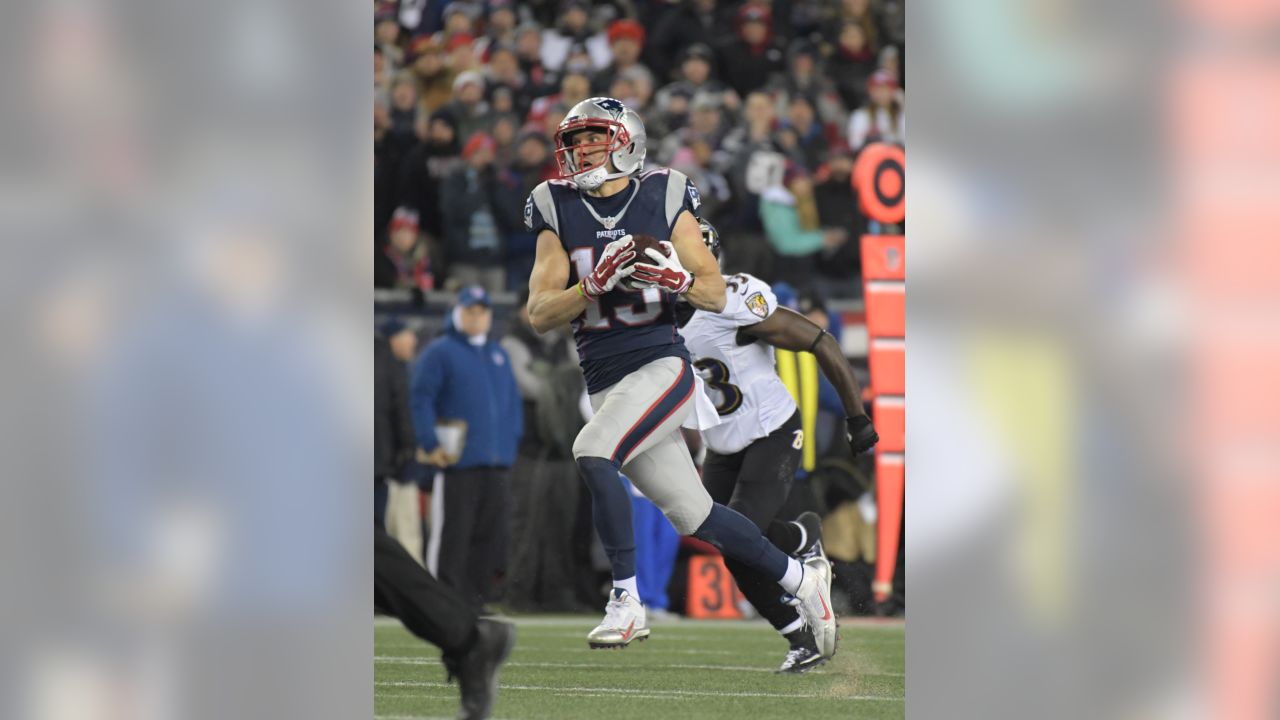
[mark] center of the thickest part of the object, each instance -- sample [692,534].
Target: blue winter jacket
[455,380]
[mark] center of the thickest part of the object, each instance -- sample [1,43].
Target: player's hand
[860,434]
[666,272]
[437,457]
[609,270]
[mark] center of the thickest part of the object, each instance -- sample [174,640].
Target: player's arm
[708,290]
[691,271]
[550,303]
[789,330]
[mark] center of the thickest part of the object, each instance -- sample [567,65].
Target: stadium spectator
[753,56]
[403,113]
[394,442]
[503,73]
[409,252]
[529,53]
[679,26]
[673,101]
[473,243]
[882,118]
[754,163]
[863,13]
[634,87]
[461,53]
[460,19]
[500,28]
[532,164]
[388,157]
[435,80]
[423,170]
[836,208]
[468,105]
[543,574]
[468,419]
[626,38]
[891,62]
[381,72]
[573,29]
[790,219]
[810,135]
[705,123]
[703,167]
[575,86]
[505,127]
[805,77]
[386,35]
[852,63]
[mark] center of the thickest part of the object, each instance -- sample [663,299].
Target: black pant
[755,481]
[428,608]
[468,544]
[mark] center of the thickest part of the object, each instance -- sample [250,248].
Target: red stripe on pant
[680,378]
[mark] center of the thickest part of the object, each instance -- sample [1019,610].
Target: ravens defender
[638,372]
[754,451]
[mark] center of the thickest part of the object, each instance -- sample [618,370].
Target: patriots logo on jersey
[528,213]
[610,105]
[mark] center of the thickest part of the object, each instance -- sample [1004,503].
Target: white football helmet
[625,146]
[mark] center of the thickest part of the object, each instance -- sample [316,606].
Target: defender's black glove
[860,434]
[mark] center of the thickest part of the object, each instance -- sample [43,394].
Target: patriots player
[638,371]
[754,452]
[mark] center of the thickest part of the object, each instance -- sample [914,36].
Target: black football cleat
[477,668]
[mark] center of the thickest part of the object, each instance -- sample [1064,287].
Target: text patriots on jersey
[613,234]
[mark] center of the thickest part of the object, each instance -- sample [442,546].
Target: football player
[753,453]
[638,372]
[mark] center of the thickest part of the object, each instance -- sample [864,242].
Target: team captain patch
[757,305]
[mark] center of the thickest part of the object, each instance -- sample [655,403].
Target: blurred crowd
[765,106]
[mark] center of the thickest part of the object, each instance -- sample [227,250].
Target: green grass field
[688,669]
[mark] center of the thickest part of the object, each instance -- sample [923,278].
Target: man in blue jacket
[468,418]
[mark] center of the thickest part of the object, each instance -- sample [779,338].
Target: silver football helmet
[625,146]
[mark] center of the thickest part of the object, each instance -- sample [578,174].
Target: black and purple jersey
[625,329]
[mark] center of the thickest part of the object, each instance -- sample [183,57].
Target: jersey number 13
[650,304]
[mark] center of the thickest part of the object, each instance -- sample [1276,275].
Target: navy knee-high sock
[740,539]
[611,512]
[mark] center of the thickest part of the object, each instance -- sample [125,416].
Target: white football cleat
[813,600]
[624,621]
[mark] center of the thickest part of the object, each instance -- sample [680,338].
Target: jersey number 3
[717,376]
[584,260]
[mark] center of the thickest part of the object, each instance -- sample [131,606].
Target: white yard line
[411,660]
[589,621]
[637,692]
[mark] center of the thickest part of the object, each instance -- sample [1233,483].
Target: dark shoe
[812,525]
[800,660]
[477,669]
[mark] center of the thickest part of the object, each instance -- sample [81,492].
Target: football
[642,243]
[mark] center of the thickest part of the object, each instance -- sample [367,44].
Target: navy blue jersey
[625,329]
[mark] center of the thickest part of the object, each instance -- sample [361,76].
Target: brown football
[642,243]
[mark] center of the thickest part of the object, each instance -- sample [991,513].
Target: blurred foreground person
[474,648]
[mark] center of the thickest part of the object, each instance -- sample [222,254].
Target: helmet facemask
[593,173]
